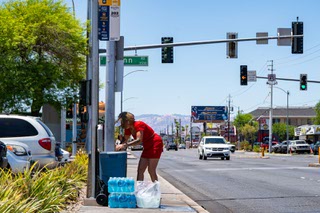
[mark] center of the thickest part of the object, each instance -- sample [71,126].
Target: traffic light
[243,75]
[69,112]
[297,43]
[167,52]
[303,81]
[232,47]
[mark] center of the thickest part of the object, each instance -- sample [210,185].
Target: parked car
[257,144]
[19,156]
[62,155]
[3,155]
[316,148]
[232,147]
[32,132]
[213,146]
[265,144]
[299,146]
[137,147]
[182,146]
[171,145]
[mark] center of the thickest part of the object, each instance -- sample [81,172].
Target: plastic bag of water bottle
[148,194]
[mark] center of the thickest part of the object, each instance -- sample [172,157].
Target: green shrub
[43,190]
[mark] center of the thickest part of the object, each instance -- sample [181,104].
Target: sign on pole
[262,41]
[129,60]
[284,41]
[252,75]
[109,20]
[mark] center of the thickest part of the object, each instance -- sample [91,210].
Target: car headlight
[17,150]
[208,148]
[226,148]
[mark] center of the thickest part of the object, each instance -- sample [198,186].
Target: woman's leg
[152,167]
[142,166]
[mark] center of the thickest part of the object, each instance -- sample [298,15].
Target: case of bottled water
[121,192]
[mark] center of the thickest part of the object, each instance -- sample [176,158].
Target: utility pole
[272,82]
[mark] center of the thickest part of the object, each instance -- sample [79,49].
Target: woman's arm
[138,140]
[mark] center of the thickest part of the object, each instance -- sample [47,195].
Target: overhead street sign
[129,60]
[252,75]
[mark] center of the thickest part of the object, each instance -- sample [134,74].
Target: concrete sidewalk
[172,199]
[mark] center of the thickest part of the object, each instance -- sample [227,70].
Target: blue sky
[202,75]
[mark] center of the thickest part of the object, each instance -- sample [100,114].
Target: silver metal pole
[271,111]
[63,128]
[74,130]
[287,121]
[95,92]
[110,97]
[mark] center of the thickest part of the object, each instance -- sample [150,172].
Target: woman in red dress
[145,135]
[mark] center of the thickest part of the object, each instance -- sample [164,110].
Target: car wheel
[228,158]
[200,156]
[222,158]
[204,156]
[176,149]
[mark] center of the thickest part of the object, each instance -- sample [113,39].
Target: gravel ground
[76,205]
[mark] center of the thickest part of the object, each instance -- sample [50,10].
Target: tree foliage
[242,119]
[280,129]
[316,120]
[249,131]
[42,54]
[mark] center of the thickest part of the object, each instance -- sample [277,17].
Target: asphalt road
[246,183]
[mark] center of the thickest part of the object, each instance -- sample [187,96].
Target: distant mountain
[164,123]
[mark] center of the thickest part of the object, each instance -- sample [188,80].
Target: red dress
[152,142]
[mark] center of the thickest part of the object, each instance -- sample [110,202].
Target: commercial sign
[210,114]
[307,130]
[109,20]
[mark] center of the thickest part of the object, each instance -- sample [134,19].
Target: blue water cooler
[112,164]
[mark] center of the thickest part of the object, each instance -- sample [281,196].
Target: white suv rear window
[13,127]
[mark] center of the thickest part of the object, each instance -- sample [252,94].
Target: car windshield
[300,142]
[214,140]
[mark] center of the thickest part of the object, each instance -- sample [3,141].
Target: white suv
[32,132]
[299,146]
[213,146]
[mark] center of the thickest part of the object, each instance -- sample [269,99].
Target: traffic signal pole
[154,46]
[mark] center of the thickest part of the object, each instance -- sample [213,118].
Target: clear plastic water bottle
[123,200]
[121,185]
[132,201]
[130,184]
[111,185]
[112,200]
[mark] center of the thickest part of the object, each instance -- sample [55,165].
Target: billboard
[209,114]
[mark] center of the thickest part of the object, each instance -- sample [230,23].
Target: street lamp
[122,90]
[287,122]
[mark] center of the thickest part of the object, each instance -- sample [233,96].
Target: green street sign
[129,60]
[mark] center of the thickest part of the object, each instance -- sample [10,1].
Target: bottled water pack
[121,192]
[122,200]
[120,184]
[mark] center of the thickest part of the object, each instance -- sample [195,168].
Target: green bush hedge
[43,190]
